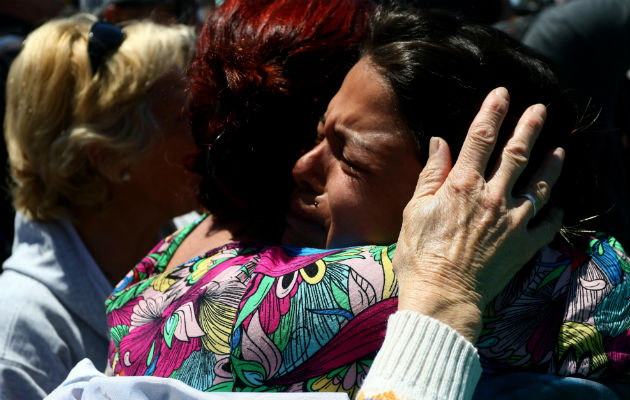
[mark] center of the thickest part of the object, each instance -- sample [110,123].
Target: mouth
[301,214]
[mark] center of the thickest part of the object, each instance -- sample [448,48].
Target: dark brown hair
[441,69]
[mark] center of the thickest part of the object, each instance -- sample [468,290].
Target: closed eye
[354,169]
[338,143]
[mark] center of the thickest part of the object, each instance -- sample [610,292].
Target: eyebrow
[348,135]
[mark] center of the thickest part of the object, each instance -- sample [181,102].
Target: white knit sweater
[422,358]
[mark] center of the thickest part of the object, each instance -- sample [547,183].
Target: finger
[435,170]
[516,152]
[540,185]
[546,228]
[483,131]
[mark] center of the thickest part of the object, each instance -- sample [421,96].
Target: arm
[464,236]
[422,358]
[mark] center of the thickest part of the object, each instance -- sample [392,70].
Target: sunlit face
[353,185]
[162,178]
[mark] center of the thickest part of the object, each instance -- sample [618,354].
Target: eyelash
[353,168]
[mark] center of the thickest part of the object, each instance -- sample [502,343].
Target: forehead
[365,102]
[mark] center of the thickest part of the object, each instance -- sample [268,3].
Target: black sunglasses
[103,39]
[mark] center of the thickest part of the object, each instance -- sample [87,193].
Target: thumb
[436,169]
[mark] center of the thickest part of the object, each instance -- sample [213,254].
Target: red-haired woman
[263,75]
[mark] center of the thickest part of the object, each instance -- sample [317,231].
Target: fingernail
[539,109]
[502,92]
[559,152]
[434,145]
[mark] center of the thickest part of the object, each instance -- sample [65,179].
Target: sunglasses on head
[103,39]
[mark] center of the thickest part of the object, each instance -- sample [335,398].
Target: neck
[212,233]
[117,240]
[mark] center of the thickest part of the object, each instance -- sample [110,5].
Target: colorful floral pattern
[250,318]
[568,314]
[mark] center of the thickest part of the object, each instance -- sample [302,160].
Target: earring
[315,204]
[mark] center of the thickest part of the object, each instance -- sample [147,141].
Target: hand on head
[464,236]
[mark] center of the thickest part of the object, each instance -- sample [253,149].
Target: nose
[310,169]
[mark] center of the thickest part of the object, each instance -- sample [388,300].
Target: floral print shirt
[245,317]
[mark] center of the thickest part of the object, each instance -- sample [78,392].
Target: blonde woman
[98,147]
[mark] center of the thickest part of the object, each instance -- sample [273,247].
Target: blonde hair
[57,109]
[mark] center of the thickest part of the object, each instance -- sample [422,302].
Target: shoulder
[36,336]
[23,298]
[281,260]
[150,264]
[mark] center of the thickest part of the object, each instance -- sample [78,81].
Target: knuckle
[496,108]
[464,181]
[533,122]
[484,131]
[542,191]
[518,152]
[408,211]
[495,200]
[430,172]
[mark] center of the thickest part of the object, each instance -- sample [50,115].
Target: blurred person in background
[97,143]
[17,19]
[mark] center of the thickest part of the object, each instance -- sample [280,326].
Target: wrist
[461,312]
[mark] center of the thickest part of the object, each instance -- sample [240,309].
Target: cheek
[181,150]
[177,180]
[365,212]
[343,192]
[356,214]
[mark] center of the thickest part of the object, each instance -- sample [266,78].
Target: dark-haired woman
[248,317]
[264,74]
[422,75]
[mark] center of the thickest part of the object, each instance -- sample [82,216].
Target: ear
[107,165]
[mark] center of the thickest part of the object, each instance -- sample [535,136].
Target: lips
[301,213]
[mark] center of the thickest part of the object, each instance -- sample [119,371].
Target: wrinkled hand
[464,236]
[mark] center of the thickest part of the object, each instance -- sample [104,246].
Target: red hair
[263,75]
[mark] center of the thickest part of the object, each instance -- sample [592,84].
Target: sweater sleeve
[422,358]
